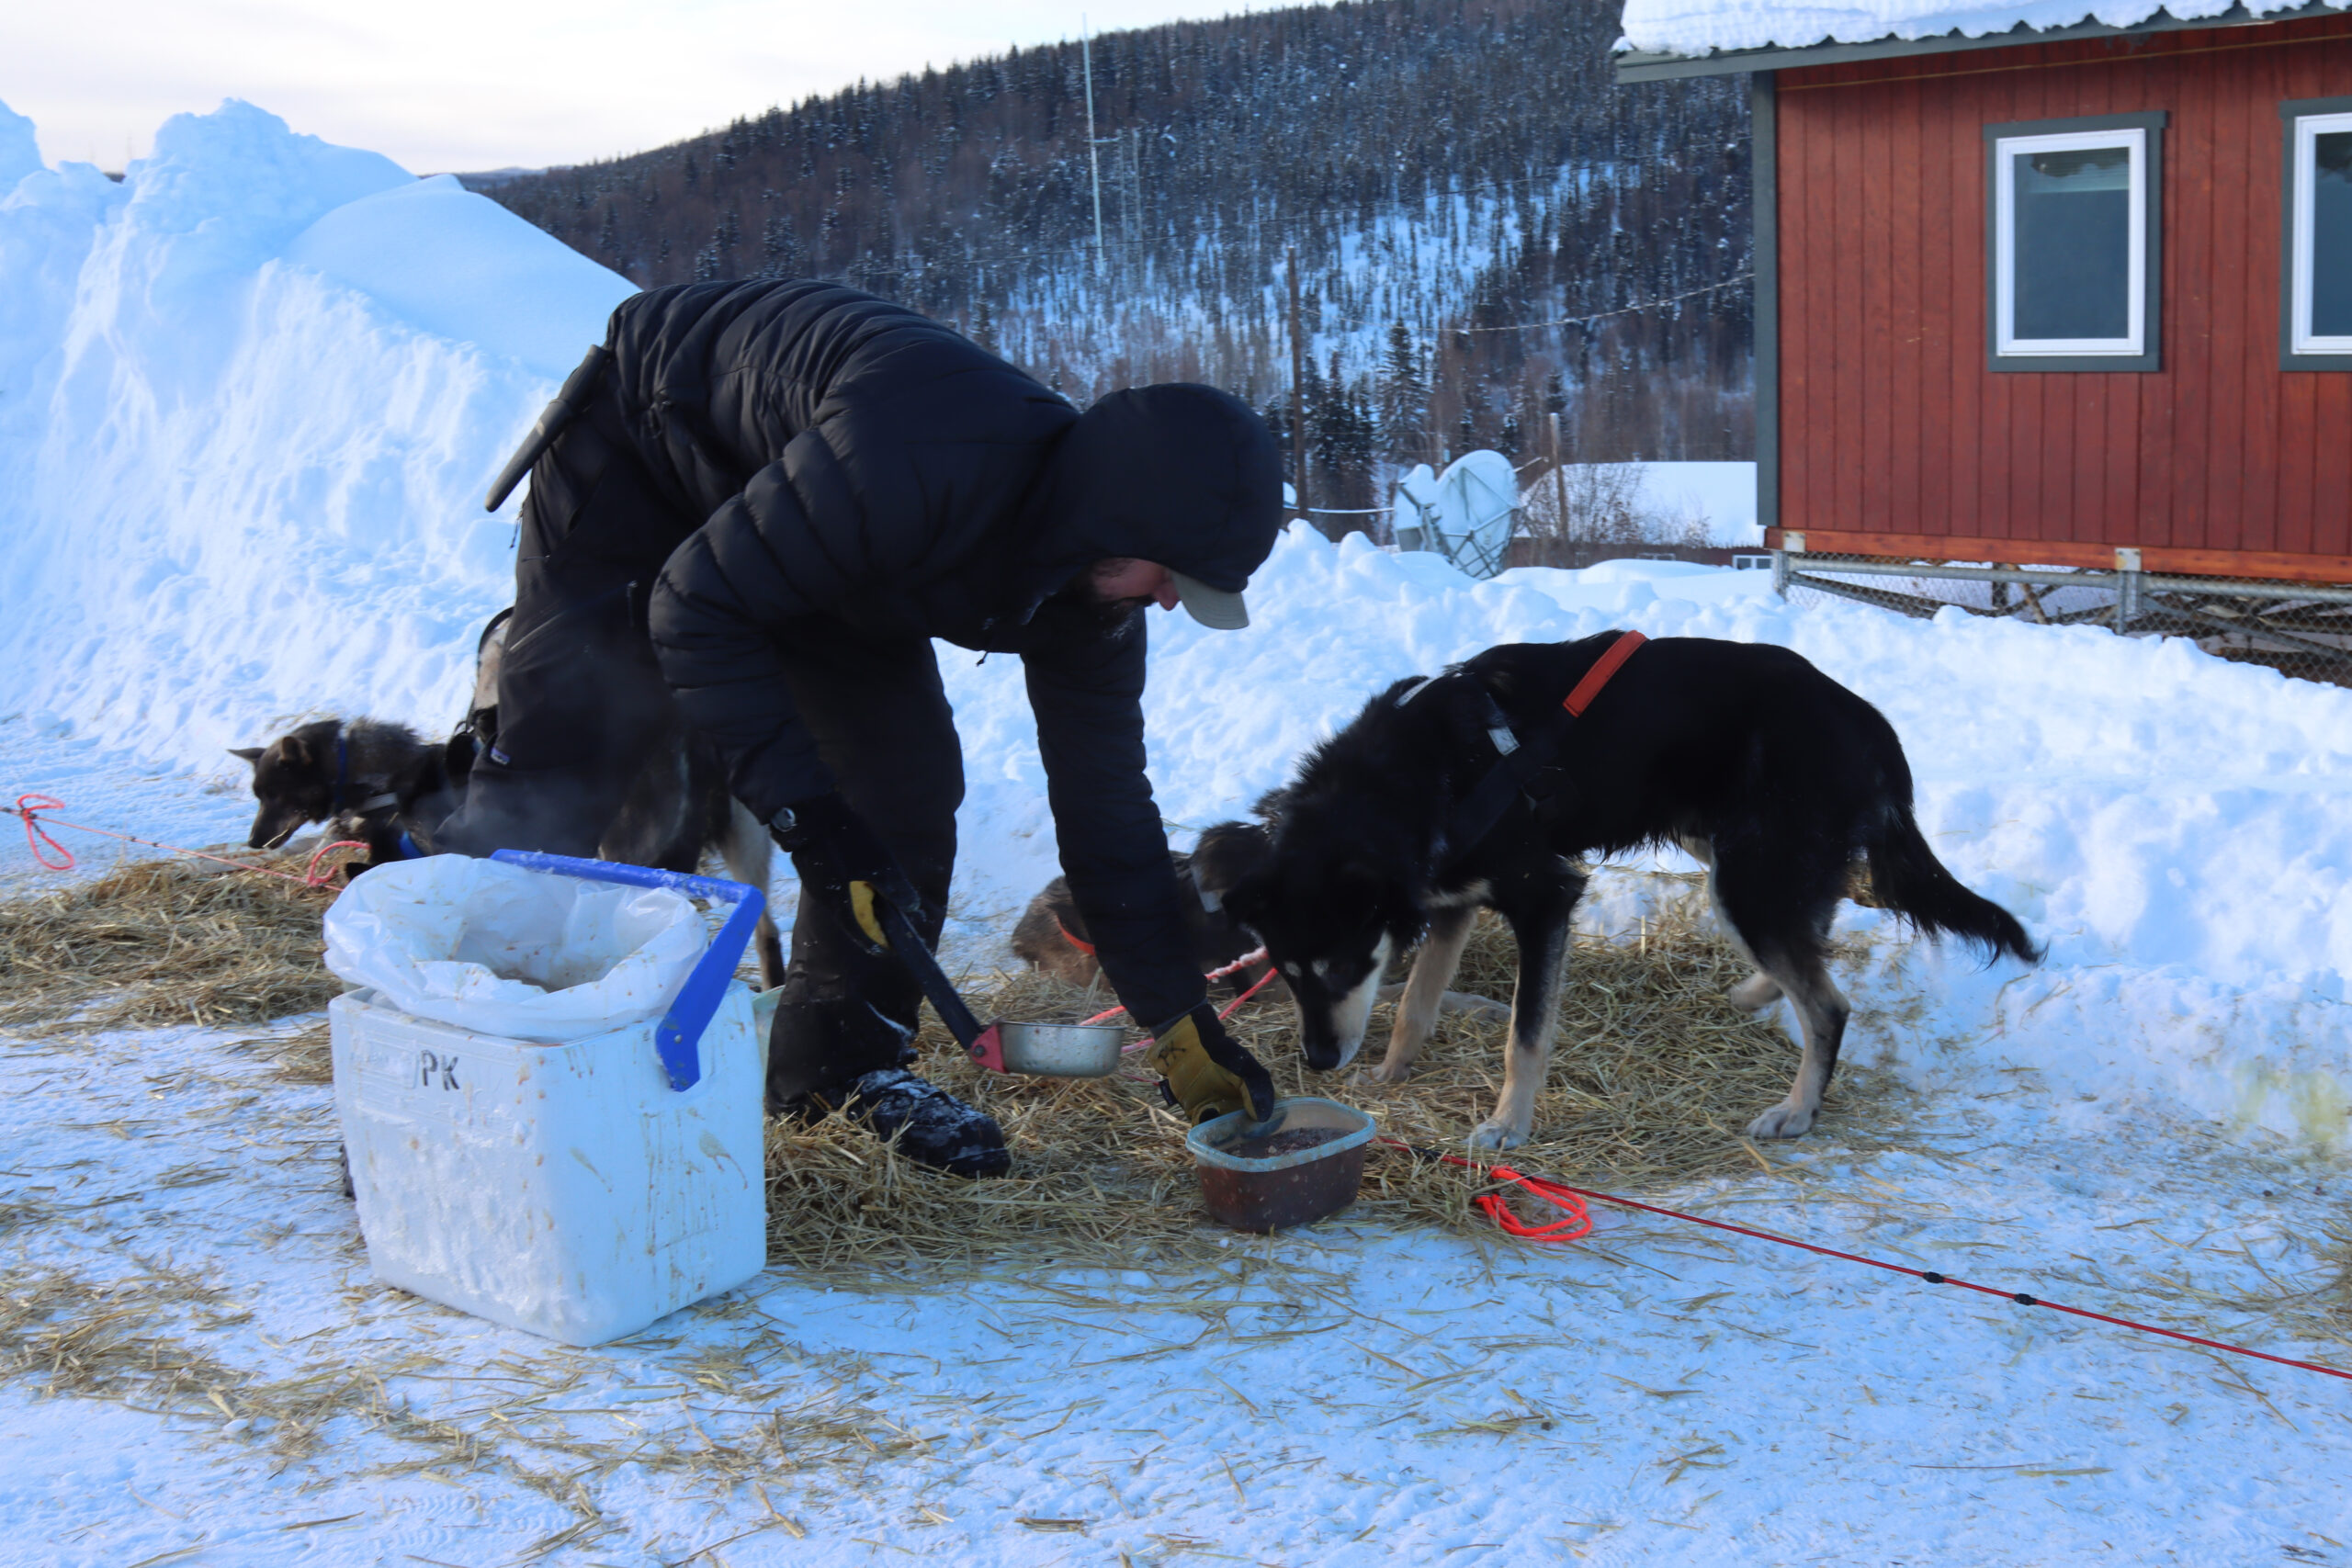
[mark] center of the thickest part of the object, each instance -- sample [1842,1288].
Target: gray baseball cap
[1213,607]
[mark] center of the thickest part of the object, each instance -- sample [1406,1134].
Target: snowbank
[2178,828]
[253,394]
[1697,26]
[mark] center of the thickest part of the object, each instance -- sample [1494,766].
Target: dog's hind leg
[1780,902]
[749,854]
[1759,991]
[1821,1010]
[1425,992]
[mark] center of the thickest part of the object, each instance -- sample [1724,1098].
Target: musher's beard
[1080,602]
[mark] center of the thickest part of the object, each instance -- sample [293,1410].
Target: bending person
[751,513]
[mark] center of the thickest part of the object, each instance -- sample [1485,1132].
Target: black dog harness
[342,782]
[1523,760]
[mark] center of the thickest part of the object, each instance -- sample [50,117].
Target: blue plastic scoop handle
[678,1036]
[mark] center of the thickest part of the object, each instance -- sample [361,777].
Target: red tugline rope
[30,810]
[1560,1195]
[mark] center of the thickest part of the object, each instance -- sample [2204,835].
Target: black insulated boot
[932,1127]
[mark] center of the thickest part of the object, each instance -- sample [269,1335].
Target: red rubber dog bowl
[1305,1168]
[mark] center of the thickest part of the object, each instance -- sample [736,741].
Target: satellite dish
[1413,514]
[1466,515]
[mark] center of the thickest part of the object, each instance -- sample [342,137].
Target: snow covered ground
[1343,1395]
[252,395]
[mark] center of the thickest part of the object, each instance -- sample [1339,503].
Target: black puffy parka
[868,474]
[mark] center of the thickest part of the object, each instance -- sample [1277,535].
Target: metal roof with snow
[1665,38]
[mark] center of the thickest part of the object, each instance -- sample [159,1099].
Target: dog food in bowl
[1307,1168]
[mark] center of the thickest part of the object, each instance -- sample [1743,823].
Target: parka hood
[1183,475]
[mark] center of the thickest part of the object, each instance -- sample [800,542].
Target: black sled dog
[1770,773]
[380,783]
[362,778]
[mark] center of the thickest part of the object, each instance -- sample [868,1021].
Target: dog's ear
[1225,854]
[1272,805]
[248,753]
[295,749]
[1245,900]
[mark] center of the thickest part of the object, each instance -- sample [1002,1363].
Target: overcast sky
[462,85]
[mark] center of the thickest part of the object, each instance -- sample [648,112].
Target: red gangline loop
[37,828]
[311,875]
[36,835]
[1496,1207]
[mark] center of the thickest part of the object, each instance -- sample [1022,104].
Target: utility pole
[1298,389]
[1094,148]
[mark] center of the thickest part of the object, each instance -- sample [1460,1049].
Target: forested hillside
[1457,180]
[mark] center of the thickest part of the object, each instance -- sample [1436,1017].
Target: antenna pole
[1093,148]
[1559,485]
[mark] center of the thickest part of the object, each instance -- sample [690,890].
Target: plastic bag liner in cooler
[549,1088]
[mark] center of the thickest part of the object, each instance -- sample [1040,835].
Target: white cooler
[581,1190]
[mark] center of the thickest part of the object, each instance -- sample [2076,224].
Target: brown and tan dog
[1051,935]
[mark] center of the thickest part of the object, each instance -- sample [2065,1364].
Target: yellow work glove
[844,867]
[861,908]
[1206,1071]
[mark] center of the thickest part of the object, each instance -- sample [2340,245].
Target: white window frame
[2007,344]
[2302,184]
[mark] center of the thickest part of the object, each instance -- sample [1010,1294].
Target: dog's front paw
[1782,1120]
[1497,1136]
[1755,992]
[1387,1072]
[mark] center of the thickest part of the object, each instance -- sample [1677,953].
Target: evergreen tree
[1404,395]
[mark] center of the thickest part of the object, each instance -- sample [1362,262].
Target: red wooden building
[2047,297]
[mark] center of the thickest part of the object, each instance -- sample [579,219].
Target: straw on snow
[1653,1077]
[156,942]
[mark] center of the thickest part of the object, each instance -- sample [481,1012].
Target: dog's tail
[1906,878]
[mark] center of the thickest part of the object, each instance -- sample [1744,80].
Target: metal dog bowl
[1061,1050]
[1270,1192]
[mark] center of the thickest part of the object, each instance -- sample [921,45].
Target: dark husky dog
[1771,774]
[350,776]
[379,783]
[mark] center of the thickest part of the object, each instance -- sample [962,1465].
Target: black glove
[1206,1071]
[845,864]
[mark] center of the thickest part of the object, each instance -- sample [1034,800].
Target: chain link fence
[2298,628]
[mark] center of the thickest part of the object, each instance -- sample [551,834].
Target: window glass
[2072,245]
[2330,263]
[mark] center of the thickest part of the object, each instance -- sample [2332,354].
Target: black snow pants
[581,707]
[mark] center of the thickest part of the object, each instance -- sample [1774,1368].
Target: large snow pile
[2178,828]
[250,399]
[253,393]
[1697,26]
